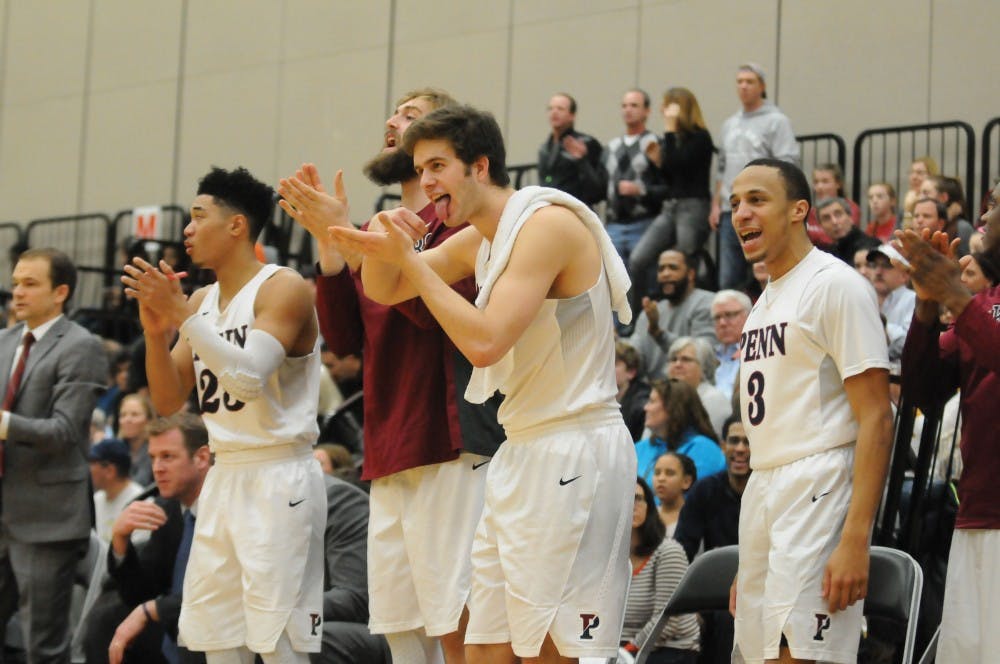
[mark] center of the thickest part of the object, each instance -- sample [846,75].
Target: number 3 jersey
[812,328]
[285,412]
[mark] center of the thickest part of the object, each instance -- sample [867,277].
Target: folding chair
[895,583]
[705,587]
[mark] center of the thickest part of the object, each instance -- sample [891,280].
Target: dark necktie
[169,647]
[15,381]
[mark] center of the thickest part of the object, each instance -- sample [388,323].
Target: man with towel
[550,560]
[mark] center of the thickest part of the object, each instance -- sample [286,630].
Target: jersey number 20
[209,401]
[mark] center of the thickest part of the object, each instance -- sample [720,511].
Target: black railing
[84,238]
[990,166]
[885,154]
[816,149]
[11,237]
[522,175]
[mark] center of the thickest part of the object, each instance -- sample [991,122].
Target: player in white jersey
[249,343]
[550,561]
[814,395]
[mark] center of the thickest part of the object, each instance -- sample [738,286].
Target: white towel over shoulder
[492,260]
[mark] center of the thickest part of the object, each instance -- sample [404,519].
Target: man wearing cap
[110,463]
[757,130]
[895,300]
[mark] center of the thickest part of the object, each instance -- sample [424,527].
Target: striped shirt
[653,584]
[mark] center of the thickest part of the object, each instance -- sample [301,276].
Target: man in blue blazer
[52,371]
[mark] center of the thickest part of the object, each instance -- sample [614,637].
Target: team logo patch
[822,624]
[591,621]
[317,620]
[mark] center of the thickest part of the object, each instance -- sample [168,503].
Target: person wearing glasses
[729,311]
[692,360]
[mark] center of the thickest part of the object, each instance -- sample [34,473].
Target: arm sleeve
[928,372]
[339,312]
[691,523]
[979,327]
[593,174]
[242,372]
[783,143]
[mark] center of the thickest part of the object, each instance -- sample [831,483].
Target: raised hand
[162,303]
[305,201]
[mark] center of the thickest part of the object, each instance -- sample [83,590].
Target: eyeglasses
[728,315]
[683,359]
[737,440]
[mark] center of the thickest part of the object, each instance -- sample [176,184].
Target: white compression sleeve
[241,371]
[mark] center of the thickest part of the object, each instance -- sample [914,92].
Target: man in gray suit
[53,371]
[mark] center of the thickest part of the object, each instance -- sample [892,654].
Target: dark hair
[651,531]
[684,411]
[796,185]
[989,269]
[572,101]
[61,268]
[192,429]
[838,175]
[242,192]
[940,208]
[627,353]
[952,188]
[472,134]
[687,464]
[730,421]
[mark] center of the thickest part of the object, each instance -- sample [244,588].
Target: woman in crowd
[882,211]
[134,412]
[673,475]
[692,360]
[677,421]
[920,168]
[828,182]
[658,564]
[684,156]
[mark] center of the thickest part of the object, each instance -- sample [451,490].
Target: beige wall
[107,104]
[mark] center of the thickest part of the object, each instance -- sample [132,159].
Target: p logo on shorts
[822,623]
[590,621]
[316,620]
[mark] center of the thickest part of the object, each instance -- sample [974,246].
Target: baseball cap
[889,252]
[755,68]
[111,450]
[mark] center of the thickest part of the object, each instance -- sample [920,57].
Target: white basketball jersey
[812,328]
[285,412]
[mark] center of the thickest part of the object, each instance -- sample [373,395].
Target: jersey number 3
[755,390]
[209,385]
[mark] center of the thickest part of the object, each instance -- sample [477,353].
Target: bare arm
[845,580]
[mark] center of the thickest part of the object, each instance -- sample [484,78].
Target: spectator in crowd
[346,371]
[828,182]
[673,475]
[635,191]
[920,168]
[861,264]
[118,361]
[895,300]
[332,457]
[570,160]
[692,360]
[633,389]
[677,421]
[346,639]
[846,238]
[109,465]
[710,519]
[881,211]
[417,585]
[948,190]
[134,412]
[934,363]
[684,157]
[53,371]
[150,579]
[758,129]
[729,312]
[979,272]
[684,311]
[658,565]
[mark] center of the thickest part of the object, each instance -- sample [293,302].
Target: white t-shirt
[106,511]
[812,328]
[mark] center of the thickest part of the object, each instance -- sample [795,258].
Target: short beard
[388,168]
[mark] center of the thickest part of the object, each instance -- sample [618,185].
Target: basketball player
[814,394]
[550,560]
[254,580]
[426,449]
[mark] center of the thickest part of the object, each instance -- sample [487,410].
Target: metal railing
[84,238]
[11,237]
[816,149]
[990,165]
[885,154]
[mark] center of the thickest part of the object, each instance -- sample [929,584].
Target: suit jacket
[346,551]
[46,481]
[147,572]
